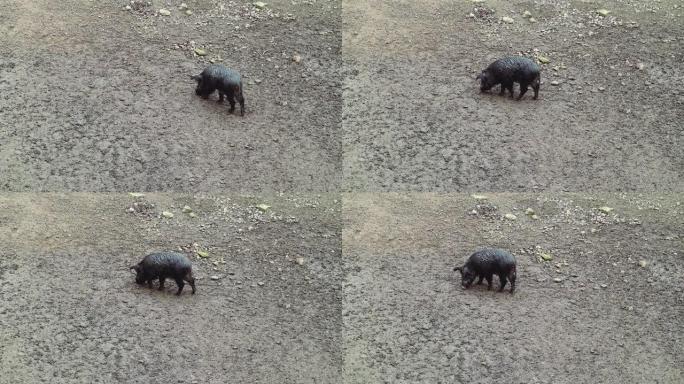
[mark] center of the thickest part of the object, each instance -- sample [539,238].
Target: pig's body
[487,263]
[162,265]
[509,70]
[227,81]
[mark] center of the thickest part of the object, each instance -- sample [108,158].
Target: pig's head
[467,275]
[486,81]
[139,274]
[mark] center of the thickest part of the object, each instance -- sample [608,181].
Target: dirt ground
[606,319]
[414,119]
[94,97]
[70,311]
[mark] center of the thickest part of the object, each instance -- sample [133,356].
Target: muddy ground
[414,119]
[94,97]
[70,310]
[592,314]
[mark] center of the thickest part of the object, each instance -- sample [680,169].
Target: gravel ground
[70,311]
[99,98]
[415,120]
[592,314]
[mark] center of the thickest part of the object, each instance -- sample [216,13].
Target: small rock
[214,277]
[261,283]
[164,12]
[604,286]
[643,263]
[510,216]
[136,194]
[543,59]
[128,8]
[167,214]
[601,89]
[187,209]
[507,19]
[479,197]
[603,12]
[527,14]
[529,211]
[606,209]
[260,4]
[640,66]
[555,82]
[188,12]
[532,20]
[557,279]
[546,256]
[202,254]
[200,52]
[192,214]
[297,58]
[183,6]
[263,207]
[534,217]
[471,15]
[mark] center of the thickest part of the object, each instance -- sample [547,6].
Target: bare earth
[71,312]
[606,320]
[377,99]
[415,120]
[97,98]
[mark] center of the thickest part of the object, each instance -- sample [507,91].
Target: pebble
[606,209]
[555,82]
[527,14]
[543,59]
[297,58]
[200,52]
[214,277]
[167,214]
[261,283]
[643,263]
[128,8]
[557,279]
[507,19]
[183,6]
[532,20]
[187,209]
[604,286]
[188,12]
[260,4]
[300,260]
[603,12]
[510,216]
[164,12]
[529,211]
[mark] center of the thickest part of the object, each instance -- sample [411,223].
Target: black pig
[161,265]
[227,81]
[486,263]
[509,70]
